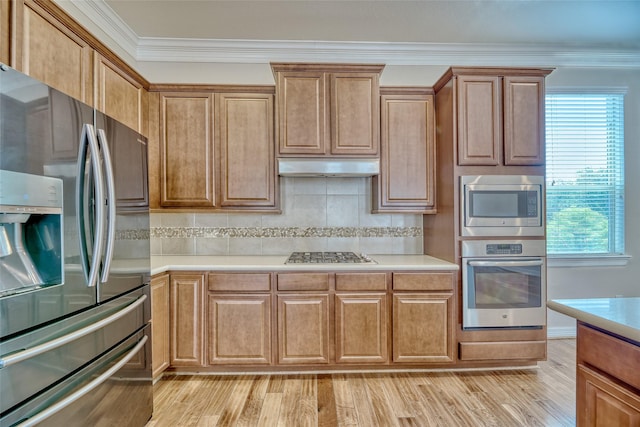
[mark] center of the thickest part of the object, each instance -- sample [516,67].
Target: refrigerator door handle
[67,401]
[89,141]
[111,204]
[29,353]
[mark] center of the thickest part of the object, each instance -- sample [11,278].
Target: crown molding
[262,51]
[146,49]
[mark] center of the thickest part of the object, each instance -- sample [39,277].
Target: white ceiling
[525,32]
[609,23]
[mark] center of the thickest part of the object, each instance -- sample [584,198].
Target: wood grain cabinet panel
[302,116]
[160,324]
[120,96]
[247,152]
[407,153]
[328,109]
[361,328]
[186,150]
[355,114]
[50,52]
[303,329]
[422,327]
[187,319]
[239,329]
[523,120]
[479,120]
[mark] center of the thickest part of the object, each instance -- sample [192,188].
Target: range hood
[328,167]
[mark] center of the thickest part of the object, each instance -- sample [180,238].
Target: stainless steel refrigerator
[74,262]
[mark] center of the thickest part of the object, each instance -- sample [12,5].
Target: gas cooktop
[327,258]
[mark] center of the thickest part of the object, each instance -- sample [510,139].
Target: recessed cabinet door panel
[422,327]
[48,51]
[479,120]
[119,96]
[186,150]
[355,113]
[523,120]
[187,325]
[239,328]
[407,157]
[302,113]
[303,329]
[361,328]
[246,149]
[160,324]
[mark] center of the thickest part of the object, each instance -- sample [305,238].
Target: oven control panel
[504,249]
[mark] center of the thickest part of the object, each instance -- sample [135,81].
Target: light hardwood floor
[543,396]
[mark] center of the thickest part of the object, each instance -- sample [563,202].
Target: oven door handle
[532,263]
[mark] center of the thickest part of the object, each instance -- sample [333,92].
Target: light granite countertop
[160,264]
[620,316]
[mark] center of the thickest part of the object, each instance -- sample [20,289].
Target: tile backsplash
[318,214]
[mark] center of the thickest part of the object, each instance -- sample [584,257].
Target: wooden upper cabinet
[407,152]
[328,109]
[49,51]
[500,115]
[120,96]
[245,132]
[186,150]
[479,120]
[302,113]
[523,120]
[355,113]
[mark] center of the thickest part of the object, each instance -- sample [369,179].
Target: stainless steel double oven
[504,274]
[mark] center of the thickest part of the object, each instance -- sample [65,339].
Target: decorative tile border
[133,234]
[274,232]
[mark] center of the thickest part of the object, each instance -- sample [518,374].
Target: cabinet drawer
[506,350]
[423,281]
[303,282]
[361,282]
[609,354]
[239,282]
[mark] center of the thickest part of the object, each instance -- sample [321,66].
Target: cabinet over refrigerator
[74,262]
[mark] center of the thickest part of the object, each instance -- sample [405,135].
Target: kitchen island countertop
[620,316]
[161,264]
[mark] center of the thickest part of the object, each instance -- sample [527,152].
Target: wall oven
[502,205]
[503,284]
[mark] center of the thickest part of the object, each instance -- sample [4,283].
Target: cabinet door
[407,156]
[601,401]
[355,113]
[422,327]
[523,120]
[361,328]
[50,52]
[187,312]
[303,329]
[247,157]
[120,96]
[479,120]
[160,324]
[186,150]
[239,329]
[302,115]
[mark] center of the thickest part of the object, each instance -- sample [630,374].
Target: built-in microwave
[502,205]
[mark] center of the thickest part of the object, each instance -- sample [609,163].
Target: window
[585,172]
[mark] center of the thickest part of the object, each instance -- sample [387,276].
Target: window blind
[585,173]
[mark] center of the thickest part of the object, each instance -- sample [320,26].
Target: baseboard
[561,332]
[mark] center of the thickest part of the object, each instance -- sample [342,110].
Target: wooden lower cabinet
[239,329]
[361,328]
[187,319]
[160,324]
[607,380]
[422,327]
[303,329]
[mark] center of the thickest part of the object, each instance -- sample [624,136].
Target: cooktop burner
[327,258]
